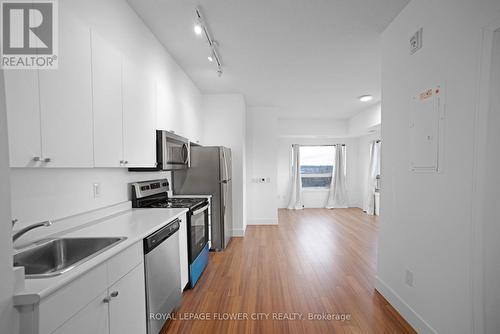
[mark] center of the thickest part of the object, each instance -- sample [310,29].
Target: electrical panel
[426,130]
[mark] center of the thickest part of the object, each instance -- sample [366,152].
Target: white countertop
[134,224]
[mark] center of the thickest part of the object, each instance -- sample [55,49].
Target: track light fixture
[200,28]
[365,98]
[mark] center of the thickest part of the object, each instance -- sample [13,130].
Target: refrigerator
[210,173]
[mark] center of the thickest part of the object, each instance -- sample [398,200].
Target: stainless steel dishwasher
[162,266]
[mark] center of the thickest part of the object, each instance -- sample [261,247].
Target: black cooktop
[189,203]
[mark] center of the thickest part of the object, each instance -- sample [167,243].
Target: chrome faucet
[23,231]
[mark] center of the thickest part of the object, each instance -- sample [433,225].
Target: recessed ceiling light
[210,59]
[197,29]
[365,98]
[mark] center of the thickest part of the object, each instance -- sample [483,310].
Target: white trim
[238,232]
[262,221]
[322,175]
[478,185]
[413,318]
[315,189]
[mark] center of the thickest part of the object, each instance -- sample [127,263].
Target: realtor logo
[29,34]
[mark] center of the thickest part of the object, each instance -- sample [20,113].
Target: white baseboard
[413,318]
[263,221]
[238,232]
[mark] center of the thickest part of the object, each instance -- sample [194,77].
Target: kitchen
[97,119]
[152,178]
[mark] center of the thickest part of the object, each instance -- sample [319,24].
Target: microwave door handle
[164,151]
[225,178]
[185,153]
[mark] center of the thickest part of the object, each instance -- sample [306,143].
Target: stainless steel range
[154,194]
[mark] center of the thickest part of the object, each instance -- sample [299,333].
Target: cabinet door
[139,117]
[127,307]
[92,319]
[183,252]
[168,117]
[107,103]
[66,99]
[23,117]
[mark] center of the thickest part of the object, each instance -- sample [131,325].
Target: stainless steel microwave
[172,152]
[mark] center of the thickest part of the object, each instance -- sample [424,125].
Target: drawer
[120,264]
[63,304]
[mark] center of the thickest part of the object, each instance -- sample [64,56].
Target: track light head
[198,29]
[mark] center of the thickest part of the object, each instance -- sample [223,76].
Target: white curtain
[337,197]
[295,202]
[374,170]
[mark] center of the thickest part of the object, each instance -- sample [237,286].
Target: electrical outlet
[416,41]
[409,278]
[97,190]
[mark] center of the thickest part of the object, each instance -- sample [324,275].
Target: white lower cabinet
[92,319]
[183,251]
[127,304]
[108,299]
[120,309]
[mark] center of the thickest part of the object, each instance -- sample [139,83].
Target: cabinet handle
[114,294]
[122,162]
[46,160]
[106,300]
[36,158]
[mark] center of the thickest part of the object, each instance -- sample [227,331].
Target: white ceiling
[311,58]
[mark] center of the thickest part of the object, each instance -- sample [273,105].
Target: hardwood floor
[316,261]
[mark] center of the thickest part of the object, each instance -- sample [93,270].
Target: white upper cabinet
[66,99]
[139,116]
[23,117]
[168,118]
[107,103]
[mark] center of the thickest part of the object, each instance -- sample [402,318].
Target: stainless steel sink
[56,256]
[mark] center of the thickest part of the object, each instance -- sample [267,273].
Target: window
[316,166]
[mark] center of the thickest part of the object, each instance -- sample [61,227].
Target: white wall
[312,128]
[368,119]
[262,200]
[425,219]
[316,198]
[224,117]
[55,193]
[41,194]
[9,322]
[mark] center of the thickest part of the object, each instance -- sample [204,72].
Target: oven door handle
[200,210]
